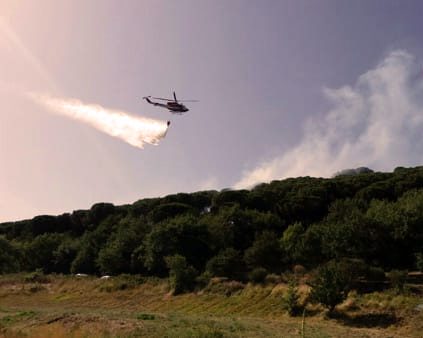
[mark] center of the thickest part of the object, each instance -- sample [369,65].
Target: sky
[286,88]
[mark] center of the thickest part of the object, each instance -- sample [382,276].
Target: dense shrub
[182,235]
[419,261]
[36,277]
[9,257]
[224,287]
[181,275]
[331,284]
[264,252]
[397,279]
[299,270]
[39,253]
[375,274]
[291,299]
[273,278]
[227,263]
[257,275]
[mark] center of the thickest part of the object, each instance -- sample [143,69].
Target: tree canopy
[371,216]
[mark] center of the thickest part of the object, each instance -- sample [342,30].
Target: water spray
[135,130]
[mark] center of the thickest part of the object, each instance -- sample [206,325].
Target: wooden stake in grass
[303,324]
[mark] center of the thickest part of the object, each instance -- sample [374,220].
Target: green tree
[170,210]
[232,226]
[227,263]
[400,223]
[115,256]
[85,259]
[265,252]
[181,275]
[419,261]
[305,248]
[9,257]
[331,284]
[291,241]
[181,235]
[39,253]
[65,254]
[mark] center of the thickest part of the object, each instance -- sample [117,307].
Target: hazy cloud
[375,123]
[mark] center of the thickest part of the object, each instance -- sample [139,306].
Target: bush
[36,288]
[204,279]
[36,277]
[146,316]
[257,275]
[264,252]
[299,270]
[225,264]
[331,284]
[419,261]
[397,279]
[375,274]
[273,278]
[181,275]
[119,283]
[291,299]
[224,287]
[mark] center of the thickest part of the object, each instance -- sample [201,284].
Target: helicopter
[173,105]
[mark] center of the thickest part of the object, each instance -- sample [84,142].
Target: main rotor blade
[171,100]
[161,98]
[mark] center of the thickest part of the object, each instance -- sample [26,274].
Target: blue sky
[286,88]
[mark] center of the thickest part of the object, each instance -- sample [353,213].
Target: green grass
[146,316]
[10,319]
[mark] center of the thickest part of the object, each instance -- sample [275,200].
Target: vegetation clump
[258,275]
[223,286]
[419,261]
[181,275]
[397,279]
[146,316]
[36,277]
[331,284]
[291,299]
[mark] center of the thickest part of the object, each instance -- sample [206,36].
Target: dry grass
[135,307]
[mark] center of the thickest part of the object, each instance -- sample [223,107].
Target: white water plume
[134,130]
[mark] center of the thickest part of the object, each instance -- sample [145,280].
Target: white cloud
[376,123]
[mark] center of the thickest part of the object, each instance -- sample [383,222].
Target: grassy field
[68,306]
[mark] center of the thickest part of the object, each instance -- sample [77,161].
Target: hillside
[373,217]
[67,306]
[225,264]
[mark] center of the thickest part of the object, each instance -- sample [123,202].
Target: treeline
[374,218]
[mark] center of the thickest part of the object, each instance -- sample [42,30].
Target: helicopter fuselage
[174,107]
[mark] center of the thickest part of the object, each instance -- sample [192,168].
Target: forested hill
[373,217]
